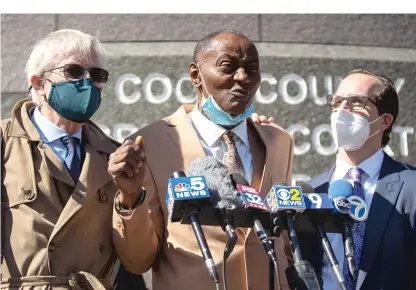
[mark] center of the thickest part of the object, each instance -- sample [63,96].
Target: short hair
[206,41]
[387,100]
[59,45]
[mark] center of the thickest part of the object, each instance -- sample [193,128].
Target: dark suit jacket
[388,259]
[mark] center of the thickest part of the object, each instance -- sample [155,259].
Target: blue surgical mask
[218,115]
[76,101]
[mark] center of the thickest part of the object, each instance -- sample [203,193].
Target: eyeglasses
[353,101]
[75,71]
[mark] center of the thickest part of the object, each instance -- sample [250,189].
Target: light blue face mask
[218,115]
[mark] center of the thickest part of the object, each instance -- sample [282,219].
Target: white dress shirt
[371,167]
[209,135]
[52,134]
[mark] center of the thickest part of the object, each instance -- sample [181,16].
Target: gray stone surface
[158,27]
[137,107]
[19,32]
[322,64]
[352,29]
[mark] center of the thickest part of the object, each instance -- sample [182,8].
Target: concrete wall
[303,57]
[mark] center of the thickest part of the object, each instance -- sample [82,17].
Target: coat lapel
[93,176]
[182,132]
[94,173]
[263,163]
[384,201]
[54,165]
[321,182]
[258,154]
[22,126]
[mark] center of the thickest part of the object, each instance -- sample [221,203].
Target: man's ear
[387,120]
[38,82]
[194,75]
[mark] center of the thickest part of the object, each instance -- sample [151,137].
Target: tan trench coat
[55,229]
[171,248]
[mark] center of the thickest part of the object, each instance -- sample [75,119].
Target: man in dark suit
[364,109]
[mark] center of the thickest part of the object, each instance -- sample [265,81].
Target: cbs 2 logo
[295,194]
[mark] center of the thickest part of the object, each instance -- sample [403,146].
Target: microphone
[340,190]
[224,204]
[323,209]
[284,202]
[223,196]
[250,200]
[342,193]
[186,196]
[329,251]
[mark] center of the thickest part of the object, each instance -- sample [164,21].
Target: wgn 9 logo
[318,201]
[315,200]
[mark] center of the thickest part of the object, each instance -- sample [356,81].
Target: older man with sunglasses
[57,197]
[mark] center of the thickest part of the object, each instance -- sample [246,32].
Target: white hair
[50,51]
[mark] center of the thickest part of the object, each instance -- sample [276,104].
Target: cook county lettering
[302,86]
[157,89]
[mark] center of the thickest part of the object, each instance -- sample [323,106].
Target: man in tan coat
[57,196]
[225,71]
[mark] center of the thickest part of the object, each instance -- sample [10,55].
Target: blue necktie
[358,229]
[72,161]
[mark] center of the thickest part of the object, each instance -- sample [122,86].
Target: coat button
[52,247]
[101,248]
[120,229]
[103,196]
[29,194]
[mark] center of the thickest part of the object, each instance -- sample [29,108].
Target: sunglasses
[75,71]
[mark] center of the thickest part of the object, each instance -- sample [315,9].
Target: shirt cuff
[123,212]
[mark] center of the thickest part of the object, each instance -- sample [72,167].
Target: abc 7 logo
[359,209]
[342,204]
[354,206]
[283,194]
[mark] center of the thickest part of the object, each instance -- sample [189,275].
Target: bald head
[360,84]
[213,38]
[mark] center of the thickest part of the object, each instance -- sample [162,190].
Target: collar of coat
[21,126]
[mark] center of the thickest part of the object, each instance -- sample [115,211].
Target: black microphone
[250,199]
[342,194]
[223,196]
[284,202]
[329,251]
[186,196]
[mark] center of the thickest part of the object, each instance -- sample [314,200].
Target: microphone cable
[229,246]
